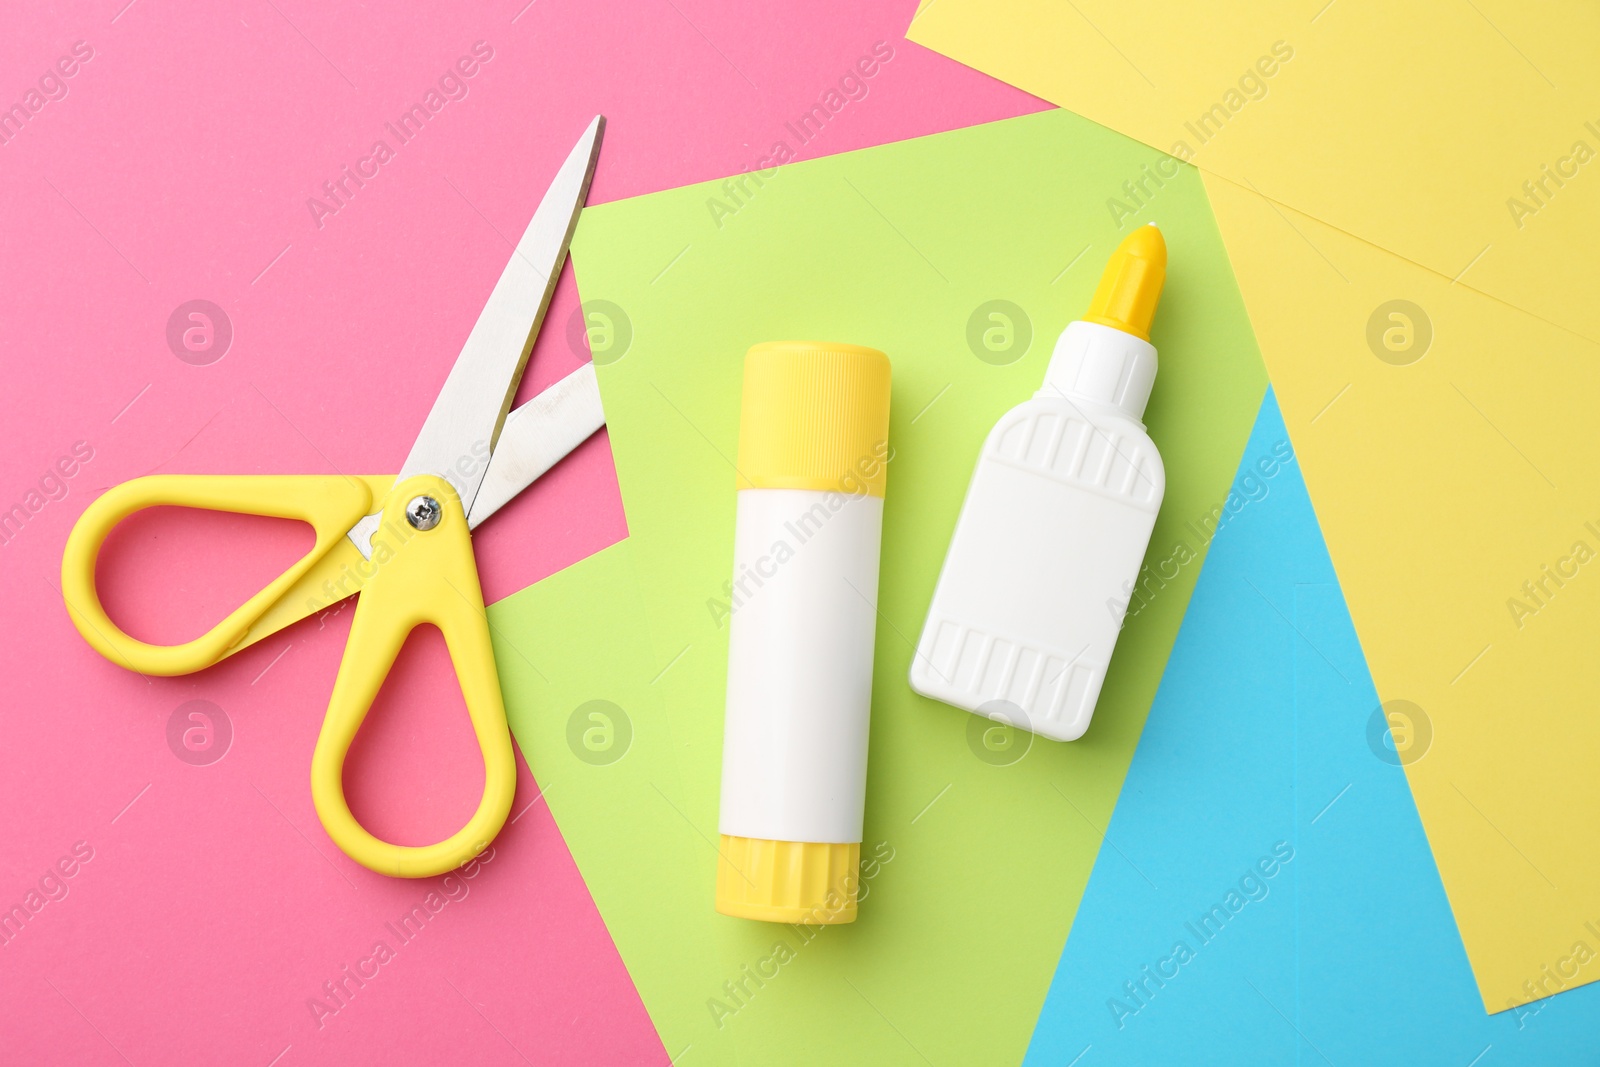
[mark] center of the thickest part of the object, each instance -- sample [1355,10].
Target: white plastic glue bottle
[1056,522]
[812,469]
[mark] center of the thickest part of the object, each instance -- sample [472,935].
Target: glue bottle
[813,451]
[1056,522]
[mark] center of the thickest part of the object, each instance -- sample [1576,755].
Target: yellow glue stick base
[788,881]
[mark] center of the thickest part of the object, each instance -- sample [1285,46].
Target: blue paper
[1266,894]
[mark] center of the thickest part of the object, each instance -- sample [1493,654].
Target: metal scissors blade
[536,437]
[463,430]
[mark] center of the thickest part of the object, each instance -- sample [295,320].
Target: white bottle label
[805,611]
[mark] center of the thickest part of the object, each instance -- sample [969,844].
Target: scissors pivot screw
[423,512]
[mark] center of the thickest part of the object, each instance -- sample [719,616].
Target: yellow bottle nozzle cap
[1130,288]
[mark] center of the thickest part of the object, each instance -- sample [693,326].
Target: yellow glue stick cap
[806,882]
[815,415]
[1130,288]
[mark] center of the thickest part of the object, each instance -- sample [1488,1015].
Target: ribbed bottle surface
[788,881]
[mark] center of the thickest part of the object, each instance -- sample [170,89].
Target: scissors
[403,541]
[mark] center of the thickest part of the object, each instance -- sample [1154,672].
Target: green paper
[984,838]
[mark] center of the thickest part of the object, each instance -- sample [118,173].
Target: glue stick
[1056,521]
[812,466]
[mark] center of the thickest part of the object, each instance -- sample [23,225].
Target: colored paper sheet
[1462,136]
[979,841]
[1262,743]
[1448,443]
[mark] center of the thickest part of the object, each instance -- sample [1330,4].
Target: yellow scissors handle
[331,504]
[425,573]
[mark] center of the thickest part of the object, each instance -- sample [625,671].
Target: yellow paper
[1450,447]
[1461,134]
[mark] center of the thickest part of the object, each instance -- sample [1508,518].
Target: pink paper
[184,159]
